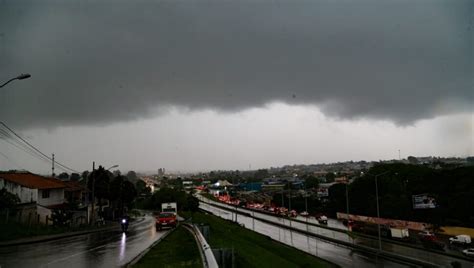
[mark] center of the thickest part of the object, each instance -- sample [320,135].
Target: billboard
[423,201]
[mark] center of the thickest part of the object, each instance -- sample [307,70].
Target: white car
[468,252]
[460,239]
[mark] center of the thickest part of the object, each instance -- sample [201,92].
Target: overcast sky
[200,85]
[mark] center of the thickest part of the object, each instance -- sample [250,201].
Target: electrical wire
[60,165]
[11,161]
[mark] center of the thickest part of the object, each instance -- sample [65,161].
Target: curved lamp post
[20,77]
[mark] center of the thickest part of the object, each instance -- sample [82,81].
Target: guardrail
[385,240]
[373,251]
[208,259]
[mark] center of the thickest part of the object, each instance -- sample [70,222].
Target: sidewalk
[44,238]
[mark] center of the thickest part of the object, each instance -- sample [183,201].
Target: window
[45,194]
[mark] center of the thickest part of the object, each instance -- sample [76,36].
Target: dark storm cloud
[97,62]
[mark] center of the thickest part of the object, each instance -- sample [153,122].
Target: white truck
[460,239]
[399,233]
[169,207]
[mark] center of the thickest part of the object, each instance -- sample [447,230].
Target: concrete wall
[26,214]
[44,213]
[56,196]
[25,194]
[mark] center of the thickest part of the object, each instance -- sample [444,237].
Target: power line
[11,161]
[36,149]
[30,152]
[14,142]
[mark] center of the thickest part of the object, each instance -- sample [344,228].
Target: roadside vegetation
[452,188]
[253,249]
[178,249]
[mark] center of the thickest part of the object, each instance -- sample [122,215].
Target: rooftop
[31,180]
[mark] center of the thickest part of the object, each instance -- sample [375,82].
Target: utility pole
[399,158]
[289,205]
[93,192]
[347,203]
[52,168]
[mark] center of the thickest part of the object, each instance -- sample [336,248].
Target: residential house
[38,195]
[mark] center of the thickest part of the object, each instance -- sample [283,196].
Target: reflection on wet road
[102,249]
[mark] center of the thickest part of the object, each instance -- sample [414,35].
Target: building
[161,171]
[40,196]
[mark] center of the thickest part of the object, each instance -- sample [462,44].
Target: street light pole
[378,210]
[93,193]
[289,203]
[20,77]
[347,204]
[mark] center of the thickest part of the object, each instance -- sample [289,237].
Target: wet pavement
[337,254]
[103,249]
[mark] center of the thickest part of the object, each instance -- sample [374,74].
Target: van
[460,239]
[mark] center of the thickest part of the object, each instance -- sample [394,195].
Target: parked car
[460,239]
[468,252]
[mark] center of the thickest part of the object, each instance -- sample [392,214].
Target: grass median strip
[178,249]
[253,249]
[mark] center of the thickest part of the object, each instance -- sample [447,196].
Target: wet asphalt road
[103,249]
[334,253]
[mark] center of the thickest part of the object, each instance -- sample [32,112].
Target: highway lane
[340,255]
[103,249]
[420,254]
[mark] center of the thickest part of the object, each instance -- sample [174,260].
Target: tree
[330,177]
[122,192]
[74,177]
[85,174]
[412,160]
[7,199]
[470,160]
[116,173]
[100,178]
[311,182]
[141,188]
[63,176]
[132,176]
[262,174]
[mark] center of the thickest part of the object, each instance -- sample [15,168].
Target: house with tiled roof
[33,188]
[40,194]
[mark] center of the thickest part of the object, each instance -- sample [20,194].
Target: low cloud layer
[99,62]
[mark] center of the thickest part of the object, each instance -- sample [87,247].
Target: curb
[39,239]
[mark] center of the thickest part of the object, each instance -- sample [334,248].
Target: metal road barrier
[385,240]
[370,250]
[208,259]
